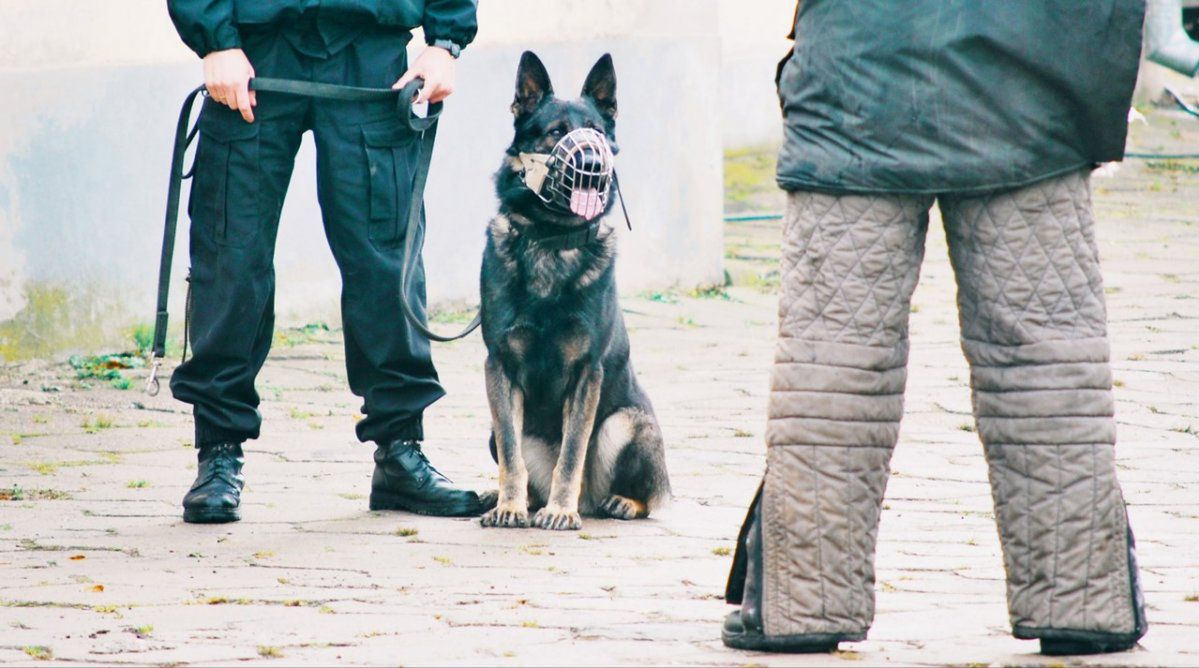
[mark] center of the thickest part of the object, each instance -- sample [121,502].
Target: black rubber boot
[743,629]
[405,480]
[216,495]
[1065,647]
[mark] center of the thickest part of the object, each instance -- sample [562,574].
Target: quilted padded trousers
[1033,328]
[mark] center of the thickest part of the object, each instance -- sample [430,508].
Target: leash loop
[426,127]
[191,136]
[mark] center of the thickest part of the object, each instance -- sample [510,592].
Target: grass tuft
[39,652]
[97,423]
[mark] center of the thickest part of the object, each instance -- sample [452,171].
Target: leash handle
[403,97]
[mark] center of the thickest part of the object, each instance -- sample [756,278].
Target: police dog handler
[365,163]
[996,111]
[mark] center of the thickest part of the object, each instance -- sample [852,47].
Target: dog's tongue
[586,203]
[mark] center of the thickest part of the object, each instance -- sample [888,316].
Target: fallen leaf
[96,588]
[77,557]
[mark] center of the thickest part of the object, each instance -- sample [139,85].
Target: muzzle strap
[536,170]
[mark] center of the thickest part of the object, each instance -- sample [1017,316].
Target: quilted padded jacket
[938,96]
[211,25]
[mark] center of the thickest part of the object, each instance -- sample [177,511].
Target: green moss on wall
[59,319]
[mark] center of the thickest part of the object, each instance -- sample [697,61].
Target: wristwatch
[453,47]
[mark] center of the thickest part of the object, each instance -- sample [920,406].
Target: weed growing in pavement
[39,652]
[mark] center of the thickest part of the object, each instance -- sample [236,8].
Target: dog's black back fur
[551,319]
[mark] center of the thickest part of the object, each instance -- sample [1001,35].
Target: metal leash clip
[152,384]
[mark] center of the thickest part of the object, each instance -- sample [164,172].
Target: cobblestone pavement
[96,566]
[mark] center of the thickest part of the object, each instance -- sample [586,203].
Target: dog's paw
[489,499]
[509,515]
[557,518]
[623,508]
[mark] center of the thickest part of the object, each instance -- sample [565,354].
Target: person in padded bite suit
[996,111]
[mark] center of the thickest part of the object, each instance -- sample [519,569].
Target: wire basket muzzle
[580,169]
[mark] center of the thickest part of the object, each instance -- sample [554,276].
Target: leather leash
[185,134]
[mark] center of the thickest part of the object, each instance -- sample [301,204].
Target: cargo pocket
[389,159]
[226,193]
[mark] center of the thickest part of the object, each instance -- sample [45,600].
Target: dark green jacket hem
[793,184]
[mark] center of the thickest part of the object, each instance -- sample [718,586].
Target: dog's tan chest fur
[549,271]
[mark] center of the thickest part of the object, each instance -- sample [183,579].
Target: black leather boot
[405,480]
[744,628]
[215,496]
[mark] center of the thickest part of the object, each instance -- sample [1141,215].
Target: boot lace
[222,464]
[420,453]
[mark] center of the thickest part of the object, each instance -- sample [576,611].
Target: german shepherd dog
[572,431]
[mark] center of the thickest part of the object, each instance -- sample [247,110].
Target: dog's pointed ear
[600,86]
[532,85]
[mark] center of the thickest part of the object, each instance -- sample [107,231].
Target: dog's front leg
[578,418]
[507,418]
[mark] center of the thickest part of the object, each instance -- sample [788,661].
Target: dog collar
[571,239]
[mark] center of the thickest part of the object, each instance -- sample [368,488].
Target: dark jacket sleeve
[205,25]
[455,20]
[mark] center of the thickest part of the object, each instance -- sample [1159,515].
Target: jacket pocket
[389,162]
[226,193]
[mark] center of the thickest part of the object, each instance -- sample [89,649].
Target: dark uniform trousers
[365,163]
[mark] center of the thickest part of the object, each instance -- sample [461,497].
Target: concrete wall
[753,40]
[89,92]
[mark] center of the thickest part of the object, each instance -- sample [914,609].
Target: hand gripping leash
[425,126]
